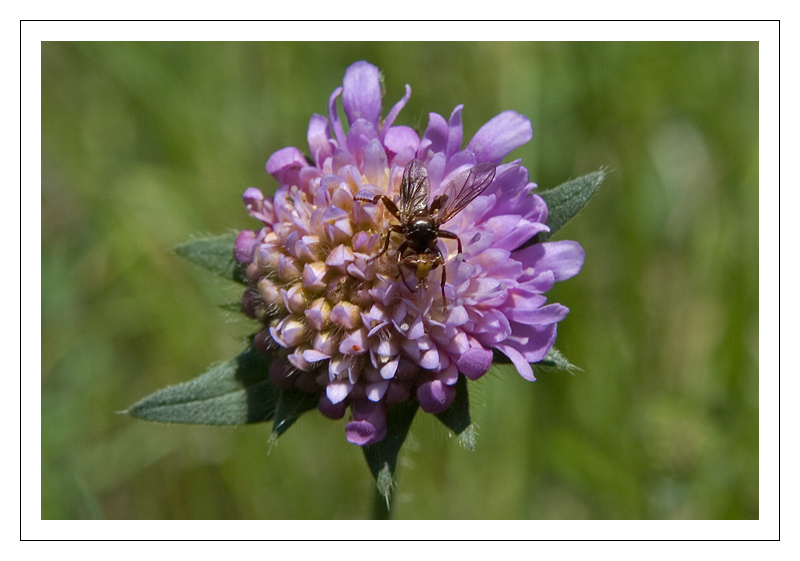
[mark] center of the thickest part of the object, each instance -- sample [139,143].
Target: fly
[420,222]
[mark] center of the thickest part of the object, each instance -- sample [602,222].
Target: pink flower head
[363,331]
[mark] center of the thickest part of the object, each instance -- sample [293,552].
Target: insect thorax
[421,233]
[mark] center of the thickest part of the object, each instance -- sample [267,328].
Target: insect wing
[414,189]
[464,188]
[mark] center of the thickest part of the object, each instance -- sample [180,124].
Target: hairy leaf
[291,405]
[382,456]
[457,418]
[234,392]
[565,201]
[215,254]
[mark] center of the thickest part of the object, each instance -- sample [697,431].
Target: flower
[350,326]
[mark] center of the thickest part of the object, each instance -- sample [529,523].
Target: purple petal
[455,132]
[319,136]
[376,390]
[354,343]
[312,355]
[512,231]
[539,284]
[333,117]
[430,359]
[387,123]
[388,370]
[458,316]
[538,211]
[458,163]
[244,246]
[285,165]
[538,339]
[331,410]
[337,391]
[368,425]
[502,134]
[361,96]
[564,258]
[402,144]
[435,136]
[375,163]
[475,362]
[522,313]
[522,365]
[435,396]
[360,134]
[254,203]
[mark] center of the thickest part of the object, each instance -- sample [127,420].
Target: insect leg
[444,280]
[386,243]
[400,263]
[451,236]
[387,202]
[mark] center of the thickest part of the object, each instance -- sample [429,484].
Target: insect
[420,222]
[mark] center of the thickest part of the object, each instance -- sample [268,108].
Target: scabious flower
[347,326]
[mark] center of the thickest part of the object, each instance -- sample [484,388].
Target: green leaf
[235,392]
[291,405]
[457,418]
[215,254]
[565,201]
[233,307]
[555,360]
[382,456]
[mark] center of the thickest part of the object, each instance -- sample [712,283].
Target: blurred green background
[146,144]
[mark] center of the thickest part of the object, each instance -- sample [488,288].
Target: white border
[766,528]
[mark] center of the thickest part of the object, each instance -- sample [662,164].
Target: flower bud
[314,275]
[244,246]
[288,268]
[281,374]
[267,256]
[294,299]
[346,314]
[269,292]
[326,342]
[435,396]
[251,300]
[318,313]
[298,361]
[289,332]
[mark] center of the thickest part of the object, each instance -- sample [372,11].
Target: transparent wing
[414,190]
[464,188]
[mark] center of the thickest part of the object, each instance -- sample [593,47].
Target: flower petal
[319,136]
[522,365]
[502,134]
[435,396]
[244,246]
[333,117]
[434,138]
[454,132]
[361,95]
[564,258]
[402,144]
[285,165]
[392,115]
[475,362]
[337,390]
[368,425]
